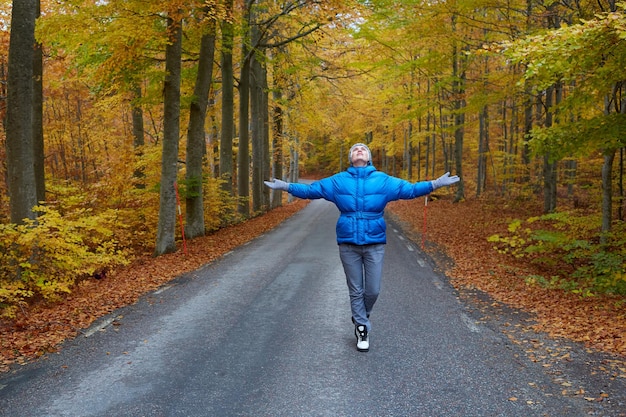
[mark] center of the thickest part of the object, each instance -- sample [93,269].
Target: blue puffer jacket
[361,194]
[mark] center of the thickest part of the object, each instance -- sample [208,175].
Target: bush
[220,208]
[47,256]
[570,249]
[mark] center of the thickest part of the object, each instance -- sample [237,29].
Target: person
[361,194]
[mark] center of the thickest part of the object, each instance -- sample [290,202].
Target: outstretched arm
[319,189]
[406,190]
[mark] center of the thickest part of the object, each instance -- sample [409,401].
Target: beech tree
[243,156]
[256,122]
[228,118]
[21,144]
[38,141]
[459,59]
[196,148]
[166,232]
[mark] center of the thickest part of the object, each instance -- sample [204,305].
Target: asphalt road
[266,331]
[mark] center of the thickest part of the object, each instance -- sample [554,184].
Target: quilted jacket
[361,194]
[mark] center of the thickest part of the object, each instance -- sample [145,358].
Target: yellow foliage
[47,256]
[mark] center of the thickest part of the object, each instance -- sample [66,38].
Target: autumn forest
[133,128]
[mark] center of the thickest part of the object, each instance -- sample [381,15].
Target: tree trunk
[529,105]
[483,137]
[39,154]
[139,138]
[256,125]
[243,156]
[513,141]
[620,186]
[265,130]
[228,118]
[549,184]
[620,174]
[294,164]
[409,155]
[429,138]
[196,150]
[405,152]
[166,231]
[21,161]
[139,133]
[607,191]
[549,166]
[443,126]
[458,90]
[277,136]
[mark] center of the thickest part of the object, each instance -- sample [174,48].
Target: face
[360,156]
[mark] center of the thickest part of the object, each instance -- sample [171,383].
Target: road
[266,331]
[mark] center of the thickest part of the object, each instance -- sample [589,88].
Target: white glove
[444,181]
[277,185]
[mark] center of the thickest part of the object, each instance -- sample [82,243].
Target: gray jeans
[363,266]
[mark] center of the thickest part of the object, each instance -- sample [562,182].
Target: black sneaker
[362,344]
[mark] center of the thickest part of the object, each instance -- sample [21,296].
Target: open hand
[276,184]
[445,180]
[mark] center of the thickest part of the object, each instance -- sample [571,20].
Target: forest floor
[458,231]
